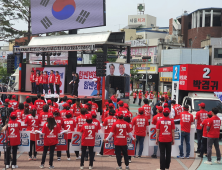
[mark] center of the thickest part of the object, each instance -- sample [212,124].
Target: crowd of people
[118,121]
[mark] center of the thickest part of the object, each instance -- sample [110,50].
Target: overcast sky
[163,10]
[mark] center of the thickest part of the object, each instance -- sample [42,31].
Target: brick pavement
[101,163]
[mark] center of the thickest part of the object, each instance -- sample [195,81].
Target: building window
[190,42]
[218,53]
[152,25]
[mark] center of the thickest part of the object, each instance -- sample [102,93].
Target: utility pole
[192,49]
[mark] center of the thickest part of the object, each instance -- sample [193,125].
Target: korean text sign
[200,78]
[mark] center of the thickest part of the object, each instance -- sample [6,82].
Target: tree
[4,75]
[11,11]
[134,75]
[94,57]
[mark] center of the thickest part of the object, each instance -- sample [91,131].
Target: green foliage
[134,75]
[4,75]
[12,11]
[94,57]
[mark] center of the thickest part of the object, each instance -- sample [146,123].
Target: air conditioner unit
[139,37]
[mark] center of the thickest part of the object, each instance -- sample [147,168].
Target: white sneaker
[218,162]
[90,167]
[68,159]
[78,157]
[81,167]
[98,154]
[14,166]
[208,162]
[130,161]
[7,166]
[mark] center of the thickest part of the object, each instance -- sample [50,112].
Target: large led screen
[60,15]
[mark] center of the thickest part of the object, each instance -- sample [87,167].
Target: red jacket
[52,78]
[57,79]
[113,98]
[37,80]
[32,78]
[45,79]
[134,95]
[140,95]
[40,79]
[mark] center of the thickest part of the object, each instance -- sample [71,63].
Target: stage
[60,96]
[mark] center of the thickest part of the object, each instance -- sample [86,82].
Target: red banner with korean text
[200,78]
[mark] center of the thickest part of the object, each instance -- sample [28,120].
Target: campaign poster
[61,146]
[62,74]
[109,147]
[76,141]
[24,138]
[175,83]
[87,87]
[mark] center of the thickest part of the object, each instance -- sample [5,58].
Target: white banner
[87,87]
[76,141]
[25,141]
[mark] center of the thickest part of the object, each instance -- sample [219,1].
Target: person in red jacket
[119,130]
[25,112]
[63,112]
[140,97]
[19,111]
[51,108]
[51,130]
[14,128]
[165,138]
[114,98]
[26,99]
[77,108]
[204,124]
[158,116]
[37,90]
[51,81]
[41,82]
[213,134]
[45,82]
[141,125]
[57,82]
[88,131]
[33,122]
[44,113]
[32,81]
[111,107]
[175,111]
[200,117]
[134,97]
[105,109]
[121,108]
[14,103]
[39,103]
[80,120]
[186,119]
[147,109]
[69,124]
[127,107]
[98,85]
[95,106]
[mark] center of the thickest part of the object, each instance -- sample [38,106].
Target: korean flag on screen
[58,15]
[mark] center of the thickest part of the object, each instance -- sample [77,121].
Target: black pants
[32,145]
[52,149]
[165,155]
[45,86]
[203,148]
[118,150]
[59,154]
[33,87]
[14,155]
[134,100]
[101,151]
[41,88]
[77,153]
[139,102]
[67,152]
[91,155]
[75,90]
[57,89]
[199,139]
[37,90]
[51,88]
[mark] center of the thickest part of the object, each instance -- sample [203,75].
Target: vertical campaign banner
[61,146]
[62,74]
[24,138]
[109,147]
[87,87]
[175,83]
